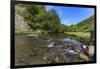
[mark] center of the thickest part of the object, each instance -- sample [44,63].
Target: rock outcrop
[20,24]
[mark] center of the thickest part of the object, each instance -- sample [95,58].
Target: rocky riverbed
[31,50]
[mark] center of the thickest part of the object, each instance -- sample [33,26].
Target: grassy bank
[84,35]
[80,36]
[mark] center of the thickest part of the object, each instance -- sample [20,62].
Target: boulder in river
[91,50]
[83,57]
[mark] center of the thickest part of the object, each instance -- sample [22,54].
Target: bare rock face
[20,24]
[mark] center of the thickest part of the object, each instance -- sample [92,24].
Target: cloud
[66,22]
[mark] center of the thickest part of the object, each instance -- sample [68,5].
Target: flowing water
[30,50]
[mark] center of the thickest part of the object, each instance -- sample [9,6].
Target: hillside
[28,18]
[36,18]
[84,26]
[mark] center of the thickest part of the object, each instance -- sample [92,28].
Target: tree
[54,21]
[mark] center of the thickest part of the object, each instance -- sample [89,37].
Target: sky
[71,15]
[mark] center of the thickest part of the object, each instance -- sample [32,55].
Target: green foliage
[86,25]
[54,21]
[48,23]
[38,18]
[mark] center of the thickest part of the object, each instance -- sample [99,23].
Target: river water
[29,49]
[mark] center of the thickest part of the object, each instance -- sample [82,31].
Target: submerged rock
[64,51]
[72,53]
[51,44]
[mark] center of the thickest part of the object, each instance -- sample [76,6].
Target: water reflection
[72,41]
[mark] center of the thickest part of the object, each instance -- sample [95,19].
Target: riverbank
[85,35]
[79,36]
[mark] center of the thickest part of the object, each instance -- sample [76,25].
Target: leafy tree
[54,21]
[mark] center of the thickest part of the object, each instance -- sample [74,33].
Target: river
[30,50]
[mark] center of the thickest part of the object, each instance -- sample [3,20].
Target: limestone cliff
[20,24]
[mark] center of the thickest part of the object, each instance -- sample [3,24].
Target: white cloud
[66,22]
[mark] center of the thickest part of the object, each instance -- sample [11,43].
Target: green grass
[83,37]
[80,34]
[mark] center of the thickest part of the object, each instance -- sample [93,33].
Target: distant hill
[85,25]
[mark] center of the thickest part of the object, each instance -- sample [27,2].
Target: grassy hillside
[84,26]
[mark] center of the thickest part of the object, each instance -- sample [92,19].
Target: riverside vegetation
[40,38]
